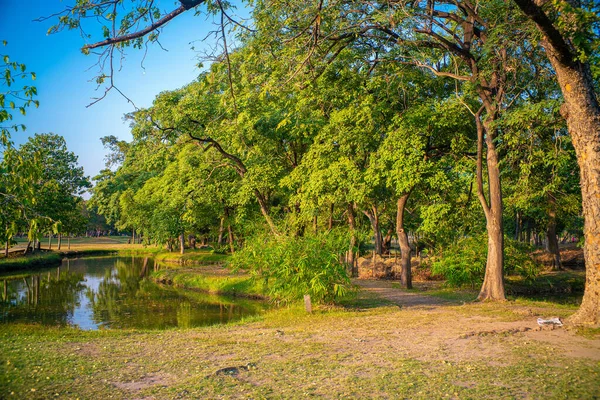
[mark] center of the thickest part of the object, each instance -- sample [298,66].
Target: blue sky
[63,73]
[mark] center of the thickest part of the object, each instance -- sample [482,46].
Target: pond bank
[30,261]
[213,279]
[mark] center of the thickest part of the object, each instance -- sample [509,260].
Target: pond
[113,292]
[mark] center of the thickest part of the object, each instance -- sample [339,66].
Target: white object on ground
[551,321]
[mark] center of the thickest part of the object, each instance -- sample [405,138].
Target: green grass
[192,257]
[29,261]
[199,278]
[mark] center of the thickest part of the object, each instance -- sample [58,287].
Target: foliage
[328,111]
[61,181]
[293,267]
[463,263]
[12,98]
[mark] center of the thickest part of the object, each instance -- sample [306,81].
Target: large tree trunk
[59,241]
[6,246]
[373,216]
[493,281]
[582,112]
[405,270]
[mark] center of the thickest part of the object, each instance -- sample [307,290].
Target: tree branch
[111,41]
[557,42]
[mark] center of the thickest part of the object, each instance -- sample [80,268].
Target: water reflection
[113,292]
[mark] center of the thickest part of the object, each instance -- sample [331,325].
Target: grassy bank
[366,349]
[30,261]
[191,257]
[210,279]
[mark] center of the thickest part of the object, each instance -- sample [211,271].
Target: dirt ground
[562,339]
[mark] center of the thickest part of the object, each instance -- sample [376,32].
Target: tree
[569,34]
[60,183]
[421,150]
[17,175]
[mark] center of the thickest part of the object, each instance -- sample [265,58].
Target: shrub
[463,263]
[292,267]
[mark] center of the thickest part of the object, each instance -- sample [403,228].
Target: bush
[463,263]
[293,267]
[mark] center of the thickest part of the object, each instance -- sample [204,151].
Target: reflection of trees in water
[47,298]
[184,315]
[118,294]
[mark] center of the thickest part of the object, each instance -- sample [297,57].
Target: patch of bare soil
[571,257]
[147,381]
[468,336]
[403,298]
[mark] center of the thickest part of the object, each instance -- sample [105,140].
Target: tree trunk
[374,219]
[221,231]
[133,236]
[230,234]
[330,222]
[6,248]
[582,112]
[69,242]
[518,225]
[352,226]
[493,281]
[181,243]
[552,244]
[49,241]
[405,270]
[315,224]
[264,209]
[59,241]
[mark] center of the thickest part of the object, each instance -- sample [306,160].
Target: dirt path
[403,298]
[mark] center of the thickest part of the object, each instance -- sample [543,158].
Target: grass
[197,256]
[205,279]
[29,261]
